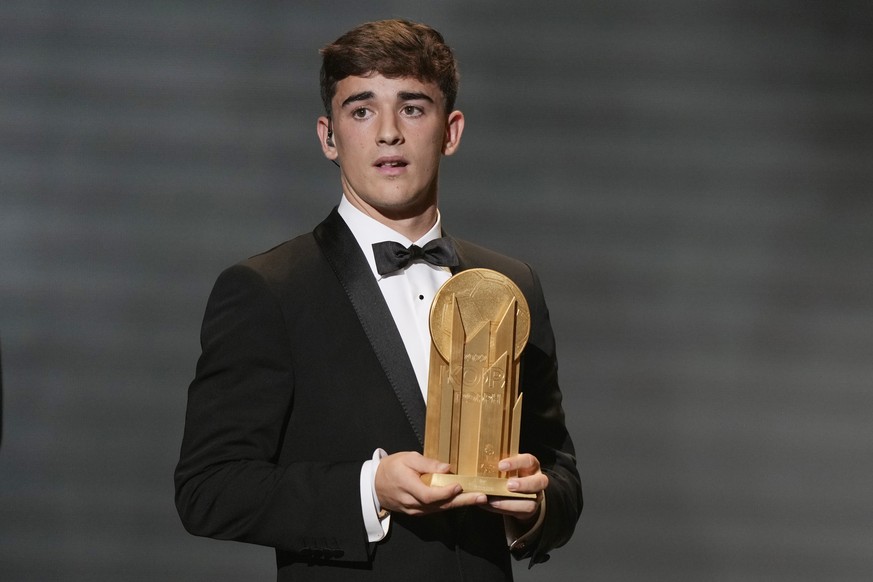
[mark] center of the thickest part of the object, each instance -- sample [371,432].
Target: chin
[405,208]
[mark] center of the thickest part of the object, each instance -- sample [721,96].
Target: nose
[389,130]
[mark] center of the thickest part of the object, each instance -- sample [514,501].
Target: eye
[360,113]
[412,110]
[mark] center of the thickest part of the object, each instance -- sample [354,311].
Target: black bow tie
[392,256]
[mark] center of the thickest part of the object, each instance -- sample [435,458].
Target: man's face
[389,136]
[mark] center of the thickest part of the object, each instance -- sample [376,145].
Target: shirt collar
[368,231]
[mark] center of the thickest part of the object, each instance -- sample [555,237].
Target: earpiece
[329,139]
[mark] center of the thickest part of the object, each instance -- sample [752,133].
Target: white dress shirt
[409,293]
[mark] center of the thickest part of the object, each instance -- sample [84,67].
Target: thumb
[423,464]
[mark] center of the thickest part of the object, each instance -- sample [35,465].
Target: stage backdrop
[691,179]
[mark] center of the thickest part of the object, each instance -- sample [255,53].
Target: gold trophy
[479,325]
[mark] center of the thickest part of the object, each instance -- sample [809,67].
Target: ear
[323,128]
[454,129]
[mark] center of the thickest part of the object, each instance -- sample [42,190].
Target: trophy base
[495,486]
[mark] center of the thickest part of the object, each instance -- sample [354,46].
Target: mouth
[392,162]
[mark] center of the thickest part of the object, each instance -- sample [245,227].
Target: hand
[399,486]
[529,480]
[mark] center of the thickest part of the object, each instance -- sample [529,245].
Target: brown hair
[393,48]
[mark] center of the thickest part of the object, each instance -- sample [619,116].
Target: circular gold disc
[483,296]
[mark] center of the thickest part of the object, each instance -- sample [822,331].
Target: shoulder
[476,256]
[299,257]
[270,270]
[287,259]
[522,274]
[283,256]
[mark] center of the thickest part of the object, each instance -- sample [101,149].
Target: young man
[305,419]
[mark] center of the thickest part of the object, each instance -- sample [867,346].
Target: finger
[465,499]
[535,483]
[525,464]
[428,495]
[448,497]
[506,505]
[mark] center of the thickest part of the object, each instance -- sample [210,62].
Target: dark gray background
[691,179]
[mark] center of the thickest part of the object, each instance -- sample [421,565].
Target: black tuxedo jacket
[303,374]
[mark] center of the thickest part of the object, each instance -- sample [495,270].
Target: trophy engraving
[479,323]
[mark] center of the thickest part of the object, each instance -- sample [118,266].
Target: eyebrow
[363,96]
[403,95]
[414,96]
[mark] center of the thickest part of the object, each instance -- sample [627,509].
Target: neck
[413,227]
[412,223]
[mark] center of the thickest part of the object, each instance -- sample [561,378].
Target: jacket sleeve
[228,482]
[544,433]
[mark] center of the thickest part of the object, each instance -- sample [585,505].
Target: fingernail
[512,485]
[444,468]
[482,499]
[503,465]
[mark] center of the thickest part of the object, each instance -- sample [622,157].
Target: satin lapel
[348,263]
[463,260]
